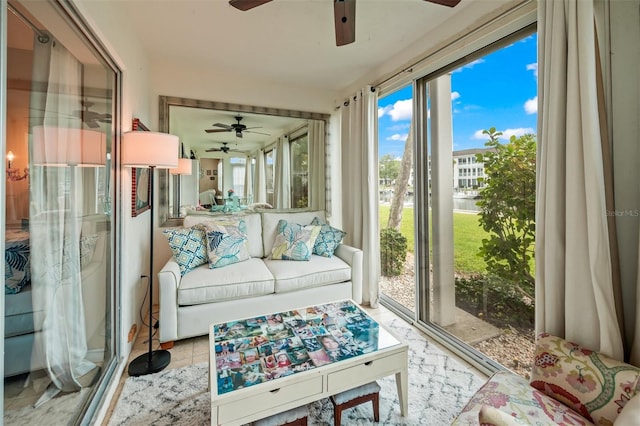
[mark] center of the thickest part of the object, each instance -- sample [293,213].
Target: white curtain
[248,180]
[260,182]
[317,178]
[359,122]
[576,258]
[55,221]
[282,179]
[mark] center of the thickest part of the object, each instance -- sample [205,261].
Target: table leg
[402,383]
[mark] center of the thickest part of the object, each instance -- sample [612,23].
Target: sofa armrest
[168,284]
[353,257]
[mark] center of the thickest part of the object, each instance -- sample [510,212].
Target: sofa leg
[167,345]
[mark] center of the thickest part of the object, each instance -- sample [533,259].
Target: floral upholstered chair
[570,385]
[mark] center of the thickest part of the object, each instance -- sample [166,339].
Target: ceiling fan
[235,127]
[344,13]
[224,148]
[91,118]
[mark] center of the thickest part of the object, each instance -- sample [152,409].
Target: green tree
[388,168]
[508,208]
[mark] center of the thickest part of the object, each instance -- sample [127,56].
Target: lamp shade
[184,167]
[64,146]
[145,149]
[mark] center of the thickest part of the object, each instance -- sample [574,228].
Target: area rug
[439,386]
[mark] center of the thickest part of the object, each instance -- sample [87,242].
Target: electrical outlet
[132,333]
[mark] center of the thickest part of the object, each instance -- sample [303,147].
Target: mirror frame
[165,102]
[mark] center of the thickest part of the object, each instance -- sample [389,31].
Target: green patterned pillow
[294,241]
[189,247]
[328,240]
[227,242]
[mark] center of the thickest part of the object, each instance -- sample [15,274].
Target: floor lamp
[153,150]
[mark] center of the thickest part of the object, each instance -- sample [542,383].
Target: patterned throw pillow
[189,247]
[16,266]
[328,240]
[490,416]
[227,242]
[294,241]
[593,384]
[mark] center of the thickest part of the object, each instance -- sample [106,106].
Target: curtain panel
[317,176]
[576,261]
[359,122]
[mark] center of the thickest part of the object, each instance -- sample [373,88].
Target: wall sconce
[14,174]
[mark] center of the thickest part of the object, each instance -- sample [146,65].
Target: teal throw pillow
[16,266]
[294,241]
[189,247]
[227,242]
[328,240]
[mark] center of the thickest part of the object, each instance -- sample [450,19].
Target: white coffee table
[244,389]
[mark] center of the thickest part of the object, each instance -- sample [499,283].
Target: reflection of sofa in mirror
[23,320]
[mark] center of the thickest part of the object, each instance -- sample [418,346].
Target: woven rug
[439,386]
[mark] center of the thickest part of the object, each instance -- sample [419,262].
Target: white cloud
[398,137]
[506,134]
[470,65]
[384,110]
[455,95]
[401,110]
[531,106]
[533,67]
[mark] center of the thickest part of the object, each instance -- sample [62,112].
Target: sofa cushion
[328,239]
[318,271]
[592,384]
[188,246]
[226,242]
[512,394]
[270,221]
[252,220]
[239,280]
[294,241]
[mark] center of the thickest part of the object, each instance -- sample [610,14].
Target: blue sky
[498,90]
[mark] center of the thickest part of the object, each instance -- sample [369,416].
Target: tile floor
[195,350]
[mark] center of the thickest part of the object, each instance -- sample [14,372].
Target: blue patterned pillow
[189,247]
[328,240]
[227,242]
[17,270]
[293,241]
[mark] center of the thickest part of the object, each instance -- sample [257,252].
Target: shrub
[393,252]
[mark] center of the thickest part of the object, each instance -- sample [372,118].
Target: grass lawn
[467,238]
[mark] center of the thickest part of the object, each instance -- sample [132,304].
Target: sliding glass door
[59,322]
[468,206]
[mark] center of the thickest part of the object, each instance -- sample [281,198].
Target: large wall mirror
[255,155]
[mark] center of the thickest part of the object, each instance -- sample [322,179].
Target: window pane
[300,171]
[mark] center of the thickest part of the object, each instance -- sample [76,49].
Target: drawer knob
[275,390]
[368,363]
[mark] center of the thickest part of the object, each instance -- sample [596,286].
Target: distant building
[468,172]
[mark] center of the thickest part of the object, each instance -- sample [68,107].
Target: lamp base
[141,365]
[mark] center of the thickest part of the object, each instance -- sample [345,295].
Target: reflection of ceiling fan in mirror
[91,118]
[235,127]
[224,148]
[344,13]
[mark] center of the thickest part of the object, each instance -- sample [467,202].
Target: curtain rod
[42,36]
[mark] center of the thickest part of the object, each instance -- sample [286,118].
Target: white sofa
[203,296]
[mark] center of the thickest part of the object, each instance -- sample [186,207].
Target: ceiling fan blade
[344,13]
[245,5]
[450,3]
[257,133]
[212,150]
[224,126]
[217,130]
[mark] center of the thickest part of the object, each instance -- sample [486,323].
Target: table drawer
[269,400]
[365,372]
